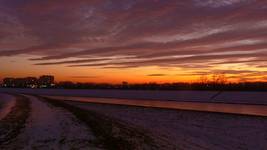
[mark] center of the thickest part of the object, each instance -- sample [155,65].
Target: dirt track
[42,123]
[13,122]
[243,109]
[116,134]
[46,124]
[191,129]
[32,124]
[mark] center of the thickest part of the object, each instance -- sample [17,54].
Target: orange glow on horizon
[22,67]
[134,41]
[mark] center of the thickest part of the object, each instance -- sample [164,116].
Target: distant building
[46,81]
[8,82]
[20,82]
[31,82]
[125,84]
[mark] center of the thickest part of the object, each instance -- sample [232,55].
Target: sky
[134,40]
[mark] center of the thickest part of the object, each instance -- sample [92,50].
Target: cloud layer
[136,33]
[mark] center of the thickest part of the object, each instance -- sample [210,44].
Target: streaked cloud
[219,3]
[125,34]
[84,77]
[156,75]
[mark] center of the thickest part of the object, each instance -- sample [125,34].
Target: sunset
[104,41]
[133,74]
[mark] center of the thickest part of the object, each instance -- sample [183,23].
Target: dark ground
[118,127]
[115,134]
[12,124]
[191,129]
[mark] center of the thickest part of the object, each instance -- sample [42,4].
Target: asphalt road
[243,109]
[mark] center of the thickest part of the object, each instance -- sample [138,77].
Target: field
[199,96]
[39,119]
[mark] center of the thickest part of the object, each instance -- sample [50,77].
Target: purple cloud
[162,33]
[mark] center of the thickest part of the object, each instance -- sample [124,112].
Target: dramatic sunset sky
[134,40]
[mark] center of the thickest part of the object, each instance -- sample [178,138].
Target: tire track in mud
[13,123]
[49,127]
[7,102]
[114,134]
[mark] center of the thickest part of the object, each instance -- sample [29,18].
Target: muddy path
[41,123]
[114,134]
[13,123]
[46,127]
[6,103]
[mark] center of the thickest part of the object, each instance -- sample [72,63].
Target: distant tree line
[245,86]
[217,82]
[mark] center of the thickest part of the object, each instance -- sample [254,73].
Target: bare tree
[219,78]
[204,79]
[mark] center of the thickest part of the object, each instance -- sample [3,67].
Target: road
[7,102]
[48,127]
[243,109]
[90,123]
